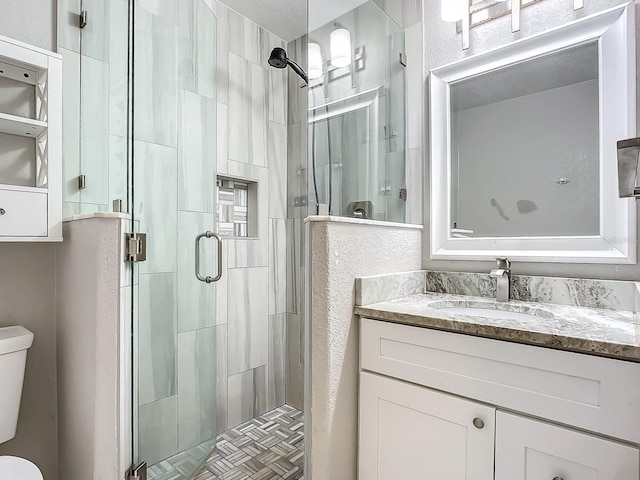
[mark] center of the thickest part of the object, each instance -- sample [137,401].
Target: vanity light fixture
[453,10]
[315,61]
[340,46]
[471,13]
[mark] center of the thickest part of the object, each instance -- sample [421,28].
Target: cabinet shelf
[22,126]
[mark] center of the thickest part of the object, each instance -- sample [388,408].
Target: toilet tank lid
[14,339]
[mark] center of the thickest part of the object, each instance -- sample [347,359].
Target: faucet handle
[503,263]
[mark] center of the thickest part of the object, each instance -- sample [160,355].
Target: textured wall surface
[27,289]
[27,284]
[340,252]
[443,46]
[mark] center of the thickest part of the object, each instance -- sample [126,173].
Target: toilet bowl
[14,342]
[15,468]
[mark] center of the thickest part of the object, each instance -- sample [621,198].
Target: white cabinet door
[409,432]
[528,449]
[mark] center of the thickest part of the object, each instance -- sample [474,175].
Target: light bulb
[314,61]
[340,42]
[453,10]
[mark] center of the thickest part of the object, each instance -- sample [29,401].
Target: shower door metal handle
[199,276]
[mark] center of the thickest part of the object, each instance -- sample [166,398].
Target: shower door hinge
[82,182]
[138,473]
[136,247]
[82,20]
[403,59]
[403,194]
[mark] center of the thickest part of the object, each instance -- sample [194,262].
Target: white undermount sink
[496,310]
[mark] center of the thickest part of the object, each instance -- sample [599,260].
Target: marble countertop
[594,331]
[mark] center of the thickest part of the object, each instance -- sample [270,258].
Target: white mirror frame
[614,31]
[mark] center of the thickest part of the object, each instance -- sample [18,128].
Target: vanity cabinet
[434,405]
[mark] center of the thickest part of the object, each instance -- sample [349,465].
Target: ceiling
[288,18]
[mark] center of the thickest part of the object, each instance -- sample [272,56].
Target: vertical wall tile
[197,152]
[248,318]
[222,139]
[276,366]
[156,170]
[117,169]
[247,117]
[293,256]
[294,376]
[94,130]
[277,95]
[222,52]
[156,77]
[70,124]
[251,41]
[277,266]
[95,35]
[277,163]
[118,67]
[156,337]
[197,39]
[196,300]
[221,378]
[236,32]
[196,387]
[247,396]
[158,429]
[68,31]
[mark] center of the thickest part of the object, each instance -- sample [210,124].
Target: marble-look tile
[276,365]
[297,172]
[247,116]
[158,429]
[197,152]
[414,184]
[221,288]
[68,31]
[236,31]
[297,98]
[222,138]
[167,9]
[155,204]
[222,51]
[294,374]
[380,288]
[248,322]
[247,396]
[196,387]
[196,299]
[118,169]
[94,130]
[277,94]
[118,67]
[70,124]
[221,378]
[197,48]
[277,164]
[277,266]
[95,35]
[251,42]
[156,78]
[294,256]
[156,337]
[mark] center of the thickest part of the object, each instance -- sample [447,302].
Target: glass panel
[174,200]
[357,117]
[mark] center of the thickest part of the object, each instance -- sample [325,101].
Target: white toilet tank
[14,342]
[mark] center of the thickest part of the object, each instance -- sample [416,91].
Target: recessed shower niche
[237,207]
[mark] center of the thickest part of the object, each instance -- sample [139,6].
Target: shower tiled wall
[223,341]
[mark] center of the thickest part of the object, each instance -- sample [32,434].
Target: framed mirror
[523,147]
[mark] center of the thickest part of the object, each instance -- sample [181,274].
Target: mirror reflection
[525,150]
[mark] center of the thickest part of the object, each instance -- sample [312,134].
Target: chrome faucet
[502,275]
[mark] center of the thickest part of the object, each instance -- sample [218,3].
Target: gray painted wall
[27,284]
[443,46]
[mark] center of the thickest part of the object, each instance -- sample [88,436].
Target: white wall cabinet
[30,143]
[414,422]
[409,432]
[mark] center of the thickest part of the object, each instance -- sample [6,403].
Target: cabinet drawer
[25,214]
[529,450]
[593,393]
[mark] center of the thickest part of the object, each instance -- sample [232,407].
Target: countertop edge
[611,350]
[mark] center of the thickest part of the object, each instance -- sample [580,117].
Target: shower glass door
[173,103]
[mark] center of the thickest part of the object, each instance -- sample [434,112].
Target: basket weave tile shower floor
[269,447]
